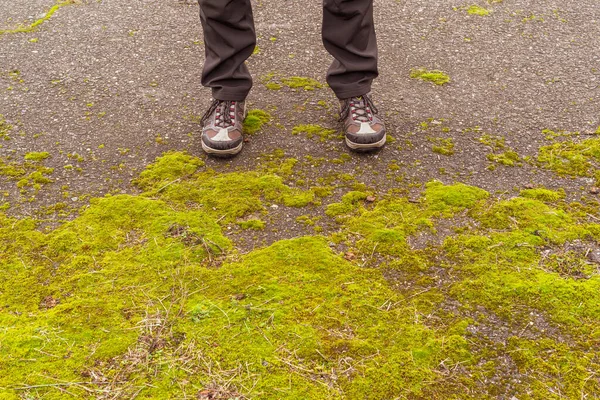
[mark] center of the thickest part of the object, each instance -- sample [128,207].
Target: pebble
[594,256]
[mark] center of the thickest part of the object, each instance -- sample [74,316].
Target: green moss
[477,10]
[349,202]
[273,86]
[32,27]
[571,158]
[312,130]
[509,158]
[28,175]
[502,154]
[147,295]
[436,77]
[11,170]
[255,224]
[443,146]
[299,326]
[299,82]
[542,194]
[37,156]
[307,220]
[322,191]
[226,196]
[170,167]
[343,158]
[5,128]
[393,166]
[73,291]
[255,120]
[96,294]
[440,197]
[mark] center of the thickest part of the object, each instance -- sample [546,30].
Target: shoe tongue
[225,111]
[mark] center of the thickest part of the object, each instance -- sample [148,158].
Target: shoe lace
[361,107]
[224,113]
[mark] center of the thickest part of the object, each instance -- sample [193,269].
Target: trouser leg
[229,39]
[349,36]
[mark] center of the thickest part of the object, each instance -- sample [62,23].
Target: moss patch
[312,130]
[255,224]
[5,129]
[570,158]
[273,86]
[30,174]
[299,82]
[274,81]
[543,194]
[509,158]
[146,296]
[255,120]
[501,153]
[443,146]
[37,155]
[434,76]
[477,10]
[32,27]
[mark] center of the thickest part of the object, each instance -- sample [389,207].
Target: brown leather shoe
[364,131]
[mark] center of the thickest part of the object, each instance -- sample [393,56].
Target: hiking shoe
[364,131]
[222,127]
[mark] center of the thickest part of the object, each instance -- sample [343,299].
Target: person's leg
[349,36]
[229,39]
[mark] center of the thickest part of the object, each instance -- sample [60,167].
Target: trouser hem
[229,95]
[357,90]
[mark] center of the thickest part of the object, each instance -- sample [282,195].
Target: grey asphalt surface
[105,78]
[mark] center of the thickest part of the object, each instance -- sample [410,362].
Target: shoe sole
[222,153]
[226,152]
[366,146]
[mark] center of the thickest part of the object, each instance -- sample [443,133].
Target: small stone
[74,198]
[594,256]
[349,256]
[274,206]
[371,199]
[594,190]
[529,186]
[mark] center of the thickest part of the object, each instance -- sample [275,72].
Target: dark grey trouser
[229,37]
